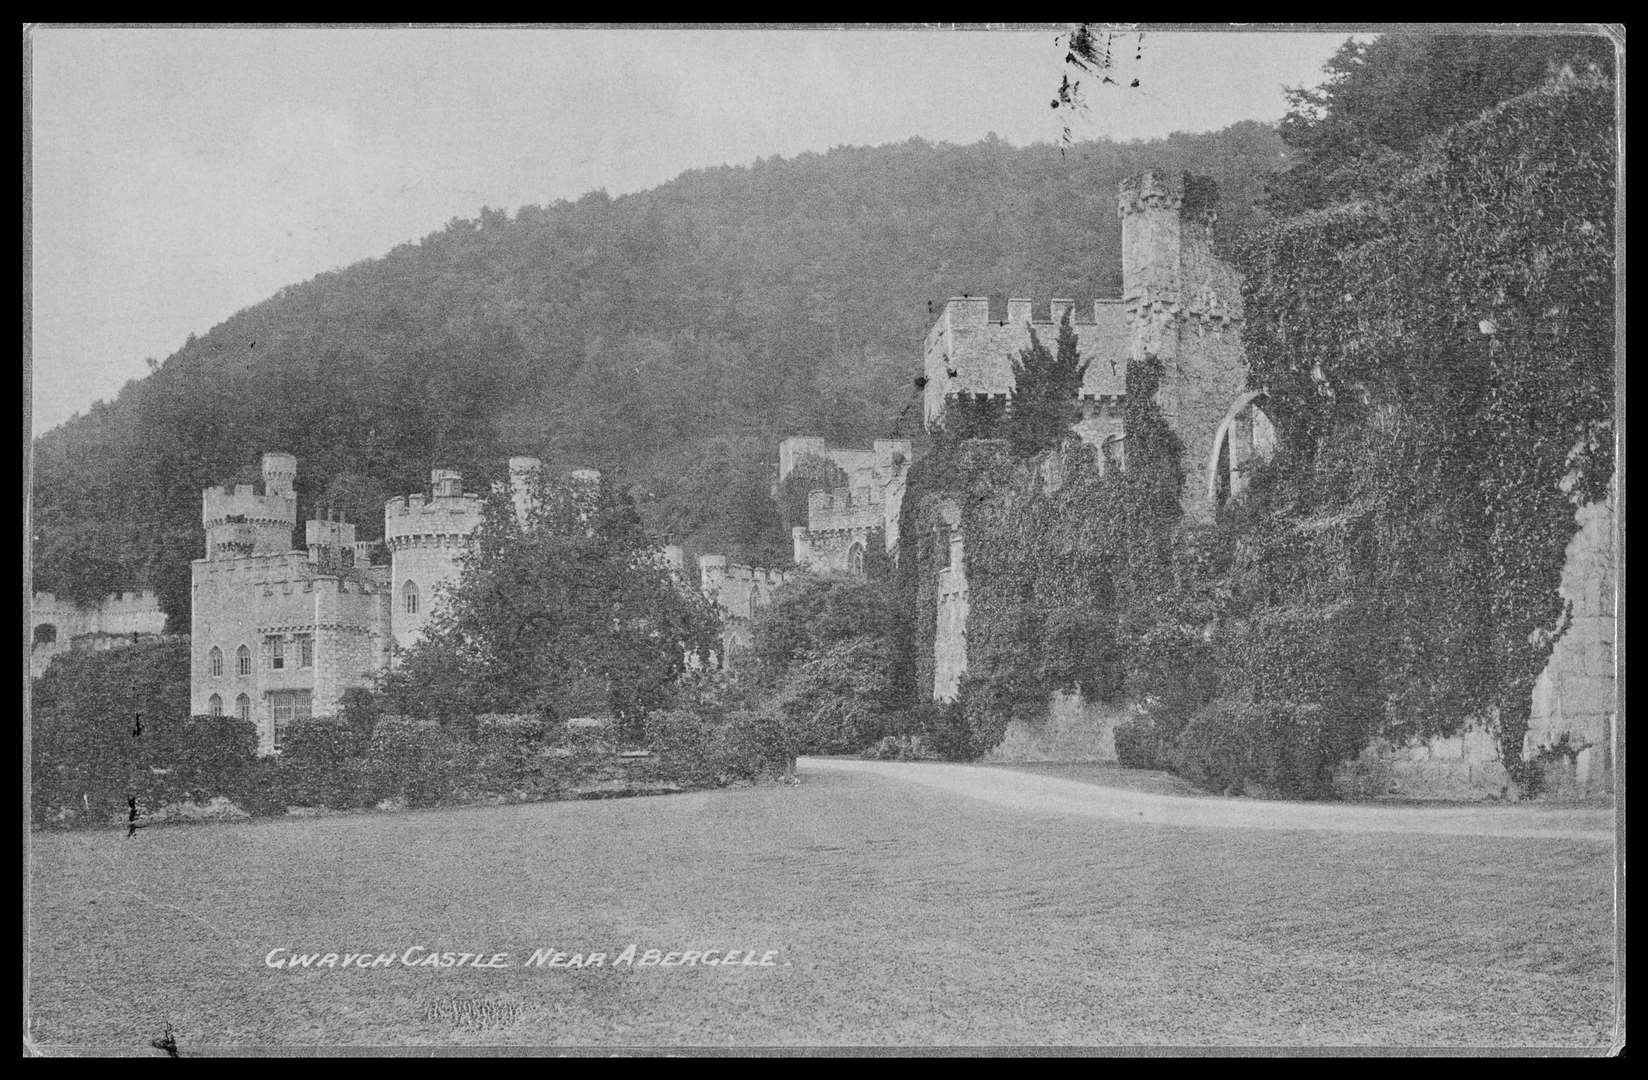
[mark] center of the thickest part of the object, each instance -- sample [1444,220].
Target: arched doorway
[1245,437]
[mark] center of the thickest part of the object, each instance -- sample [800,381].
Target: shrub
[1136,745]
[699,746]
[414,760]
[943,729]
[201,756]
[1290,750]
[900,748]
[84,769]
[260,793]
[507,757]
[85,760]
[321,764]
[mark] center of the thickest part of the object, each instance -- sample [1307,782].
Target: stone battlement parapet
[444,515]
[716,568]
[219,504]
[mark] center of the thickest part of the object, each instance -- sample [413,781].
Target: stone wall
[849,516]
[1072,730]
[1576,700]
[738,593]
[1571,728]
[950,637]
[117,617]
[1463,767]
[968,353]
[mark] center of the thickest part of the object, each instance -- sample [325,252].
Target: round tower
[426,538]
[279,473]
[240,522]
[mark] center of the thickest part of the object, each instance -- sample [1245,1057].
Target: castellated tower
[279,634]
[239,522]
[426,538]
[524,474]
[1184,309]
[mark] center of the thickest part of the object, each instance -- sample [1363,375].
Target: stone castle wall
[950,636]
[848,517]
[1576,701]
[114,619]
[1182,306]
[1572,724]
[739,593]
[1072,730]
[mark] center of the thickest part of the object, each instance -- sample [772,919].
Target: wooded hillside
[691,324]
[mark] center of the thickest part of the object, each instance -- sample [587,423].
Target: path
[1047,794]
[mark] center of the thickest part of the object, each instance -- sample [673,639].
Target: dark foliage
[110,727]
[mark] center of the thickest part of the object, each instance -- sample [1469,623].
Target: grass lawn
[897,915]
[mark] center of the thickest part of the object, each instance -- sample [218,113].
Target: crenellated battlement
[220,504]
[739,592]
[291,569]
[969,354]
[126,601]
[292,565]
[716,568]
[415,516]
[1152,189]
[240,521]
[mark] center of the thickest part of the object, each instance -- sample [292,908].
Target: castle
[1181,306]
[279,634]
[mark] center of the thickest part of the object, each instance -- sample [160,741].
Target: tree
[723,504]
[1381,100]
[826,651]
[573,593]
[809,474]
[1046,393]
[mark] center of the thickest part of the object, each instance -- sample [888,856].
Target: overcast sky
[181,175]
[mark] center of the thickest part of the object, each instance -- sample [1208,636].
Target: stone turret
[1184,310]
[239,521]
[524,473]
[426,538]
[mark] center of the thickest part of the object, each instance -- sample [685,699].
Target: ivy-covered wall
[1439,368]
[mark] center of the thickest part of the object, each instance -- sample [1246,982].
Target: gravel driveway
[1047,794]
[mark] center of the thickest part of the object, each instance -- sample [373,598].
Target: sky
[181,174]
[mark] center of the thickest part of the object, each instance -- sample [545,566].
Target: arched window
[45,634]
[243,661]
[855,560]
[243,707]
[757,601]
[214,704]
[214,664]
[409,598]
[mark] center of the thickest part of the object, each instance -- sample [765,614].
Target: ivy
[1439,366]
[1066,555]
[1445,361]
